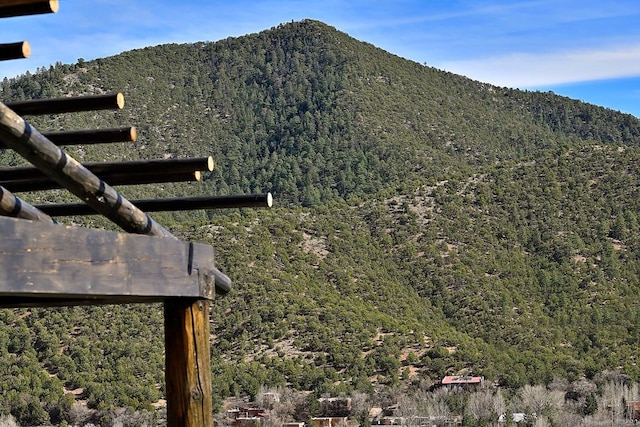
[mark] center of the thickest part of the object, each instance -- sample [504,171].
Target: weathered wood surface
[9,8]
[114,101]
[18,50]
[169,204]
[92,136]
[24,139]
[13,206]
[43,261]
[187,361]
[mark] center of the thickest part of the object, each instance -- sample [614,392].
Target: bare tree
[616,393]
[407,409]
[584,387]
[560,384]
[79,413]
[283,403]
[540,401]
[485,404]
[437,406]
[267,397]
[133,419]
[360,406]
[541,421]
[565,418]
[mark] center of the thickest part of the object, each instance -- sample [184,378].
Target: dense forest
[424,224]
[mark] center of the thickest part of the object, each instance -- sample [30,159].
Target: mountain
[425,224]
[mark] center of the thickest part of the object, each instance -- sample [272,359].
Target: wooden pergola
[43,263]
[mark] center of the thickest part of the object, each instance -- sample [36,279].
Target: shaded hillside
[425,224]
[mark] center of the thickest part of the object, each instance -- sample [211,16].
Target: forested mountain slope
[424,224]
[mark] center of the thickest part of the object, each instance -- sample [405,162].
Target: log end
[269,200]
[197,175]
[54,6]
[133,134]
[120,100]
[210,163]
[26,49]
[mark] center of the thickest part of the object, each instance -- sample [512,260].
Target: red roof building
[462,380]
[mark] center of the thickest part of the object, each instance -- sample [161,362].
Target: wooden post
[187,363]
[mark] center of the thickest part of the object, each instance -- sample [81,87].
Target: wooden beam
[120,173]
[45,183]
[41,261]
[171,204]
[19,50]
[12,206]
[155,166]
[187,362]
[113,101]
[92,136]
[136,167]
[10,8]
[21,137]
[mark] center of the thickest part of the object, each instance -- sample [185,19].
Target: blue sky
[584,49]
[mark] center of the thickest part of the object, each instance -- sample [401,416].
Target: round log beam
[45,183]
[12,206]
[18,50]
[34,107]
[171,204]
[21,137]
[93,136]
[136,167]
[9,8]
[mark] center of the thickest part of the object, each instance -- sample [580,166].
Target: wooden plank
[187,361]
[114,101]
[41,260]
[10,8]
[24,139]
[19,50]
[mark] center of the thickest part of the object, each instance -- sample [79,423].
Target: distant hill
[424,223]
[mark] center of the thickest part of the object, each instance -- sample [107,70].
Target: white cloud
[523,70]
